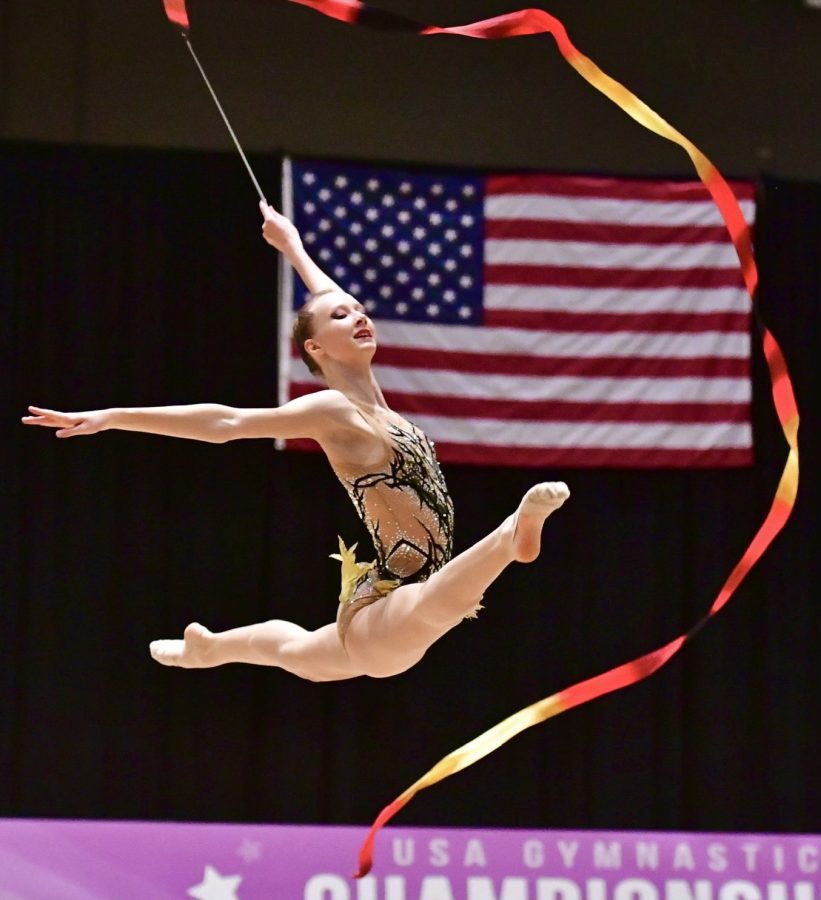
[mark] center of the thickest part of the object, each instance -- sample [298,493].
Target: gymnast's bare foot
[537,504]
[195,651]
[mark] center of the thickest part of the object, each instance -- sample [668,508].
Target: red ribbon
[537,21]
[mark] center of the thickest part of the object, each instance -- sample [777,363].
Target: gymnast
[392,610]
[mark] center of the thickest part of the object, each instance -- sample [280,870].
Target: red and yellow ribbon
[537,21]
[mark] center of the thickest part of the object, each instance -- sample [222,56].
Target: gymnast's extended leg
[313,655]
[390,636]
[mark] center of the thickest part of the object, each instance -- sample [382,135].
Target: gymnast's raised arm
[321,416]
[281,233]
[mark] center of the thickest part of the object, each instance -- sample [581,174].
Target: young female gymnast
[390,611]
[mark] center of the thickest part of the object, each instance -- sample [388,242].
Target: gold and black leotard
[405,505]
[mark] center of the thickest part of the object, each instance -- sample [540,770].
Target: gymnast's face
[342,330]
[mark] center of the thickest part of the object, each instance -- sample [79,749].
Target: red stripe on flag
[603,233]
[625,279]
[563,457]
[609,188]
[539,457]
[548,320]
[547,366]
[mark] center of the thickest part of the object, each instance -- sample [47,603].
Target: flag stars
[405,188]
[467,221]
[372,214]
[355,258]
[340,212]
[373,184]
[402,277]
[451,205]
[388,230]
[432,309]
[419,233]
[434,249]
[309,178]
[437,189]
[420,203]
[401,307]
[388,200]
[386,260]
[468,190]
[325,253]
[356,197]
[404,217]
[340,271]
[451,234]
[371,244]
[324,194]
[354,287]
[385,291]
[419,262]
[341,181]
[356,228]
[370,274]
[309,237]
[466,281]
[403,247]
[450,264]
[340,241]
[309,207]
[466,250]
[435,218]
[449,296]
[418,293]
[465,312]
[434,278]
[324,224]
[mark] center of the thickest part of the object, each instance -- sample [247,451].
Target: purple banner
[68,860]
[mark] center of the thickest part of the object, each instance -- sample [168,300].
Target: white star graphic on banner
[215,886]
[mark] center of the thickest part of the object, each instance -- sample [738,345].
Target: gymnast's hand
[279,231]
[68,424]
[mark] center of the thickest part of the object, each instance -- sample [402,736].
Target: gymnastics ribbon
[537,21]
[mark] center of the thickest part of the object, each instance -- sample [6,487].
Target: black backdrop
[140,278]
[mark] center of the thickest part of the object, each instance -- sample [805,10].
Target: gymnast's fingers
[49,418]
[72,431]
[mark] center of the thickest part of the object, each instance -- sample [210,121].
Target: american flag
[537,320]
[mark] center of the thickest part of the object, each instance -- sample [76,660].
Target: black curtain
[140,278]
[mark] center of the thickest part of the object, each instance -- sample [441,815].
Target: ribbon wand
[177,15]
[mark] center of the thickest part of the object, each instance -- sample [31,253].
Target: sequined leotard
[408,512]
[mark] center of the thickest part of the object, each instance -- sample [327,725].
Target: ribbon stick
[178,15]
[537,21]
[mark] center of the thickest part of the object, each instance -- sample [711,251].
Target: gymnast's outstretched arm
[323,416]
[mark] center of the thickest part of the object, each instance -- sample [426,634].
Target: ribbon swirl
[537,21]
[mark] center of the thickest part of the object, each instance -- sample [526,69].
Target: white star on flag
[215,886]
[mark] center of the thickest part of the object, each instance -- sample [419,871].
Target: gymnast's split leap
[392,610]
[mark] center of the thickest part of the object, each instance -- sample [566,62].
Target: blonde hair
[303,330]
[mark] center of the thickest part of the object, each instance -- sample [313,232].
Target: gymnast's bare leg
[389,636]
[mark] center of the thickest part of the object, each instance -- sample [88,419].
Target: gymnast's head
[333,327]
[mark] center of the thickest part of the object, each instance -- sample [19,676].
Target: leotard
[408,512]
